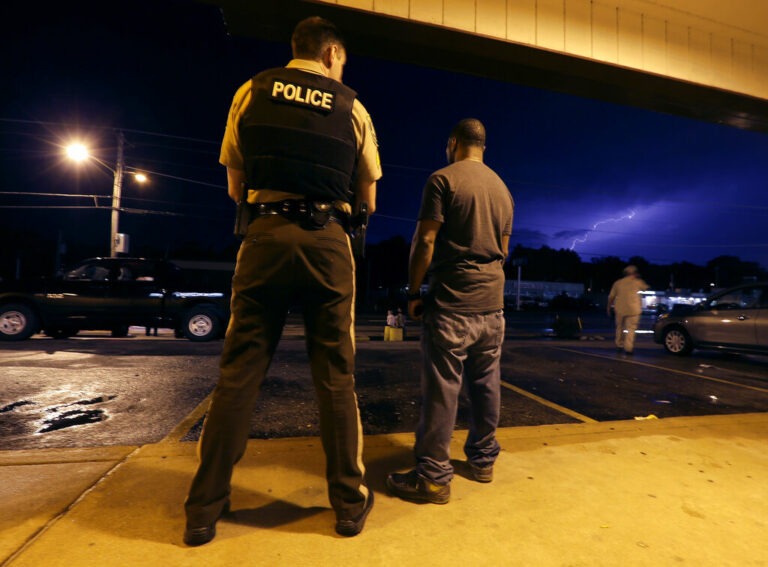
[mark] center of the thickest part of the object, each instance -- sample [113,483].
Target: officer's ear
[331,53]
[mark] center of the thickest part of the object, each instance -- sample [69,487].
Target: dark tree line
[547,264]
[385,268]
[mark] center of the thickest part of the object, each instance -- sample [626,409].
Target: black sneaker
[354,526]
[481,474]
[200,535]
[413,486]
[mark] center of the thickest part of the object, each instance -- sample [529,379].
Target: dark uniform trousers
[277,262]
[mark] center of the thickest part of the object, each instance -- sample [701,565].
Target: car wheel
[61,332]
[17,322]
[677,341]
[120,331]
[201,324]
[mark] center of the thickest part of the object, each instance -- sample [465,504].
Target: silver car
[734,320]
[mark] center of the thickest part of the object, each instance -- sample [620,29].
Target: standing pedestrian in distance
[625,300]
[462,237]
[303,147]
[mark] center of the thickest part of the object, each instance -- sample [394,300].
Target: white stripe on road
[662,368]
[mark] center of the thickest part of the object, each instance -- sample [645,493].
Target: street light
[78,152]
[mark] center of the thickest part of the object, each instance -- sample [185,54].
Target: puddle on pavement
[98,400]
[72,418]
[14,405]
[60,416]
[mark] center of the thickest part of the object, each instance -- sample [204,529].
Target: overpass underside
[702,59]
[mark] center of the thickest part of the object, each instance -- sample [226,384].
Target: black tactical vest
[297,135]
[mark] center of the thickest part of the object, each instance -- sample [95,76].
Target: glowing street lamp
[78,152]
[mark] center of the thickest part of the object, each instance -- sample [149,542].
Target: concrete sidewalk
[679,491]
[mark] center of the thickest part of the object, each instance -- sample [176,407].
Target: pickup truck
[113,294]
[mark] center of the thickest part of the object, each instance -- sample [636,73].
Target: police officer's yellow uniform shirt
[368,162]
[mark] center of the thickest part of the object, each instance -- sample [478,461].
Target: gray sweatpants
[456,345]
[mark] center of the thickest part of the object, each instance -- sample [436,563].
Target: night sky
[601,179]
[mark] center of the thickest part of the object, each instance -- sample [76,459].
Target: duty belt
[312,215]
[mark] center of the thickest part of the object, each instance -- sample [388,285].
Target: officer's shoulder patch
[372,129]
[304,96]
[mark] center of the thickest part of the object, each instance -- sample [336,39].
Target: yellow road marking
[663,368]
[549,404]
[186,424]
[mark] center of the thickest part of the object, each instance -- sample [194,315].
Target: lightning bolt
[598,223]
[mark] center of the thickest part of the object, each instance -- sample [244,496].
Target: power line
[387,165]
[166,147]
[404,219]
[127,210]
[184,179]
[95,197]
[53,194]
[215,166]
[131,130]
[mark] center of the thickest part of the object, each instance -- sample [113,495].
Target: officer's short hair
[630,270]
[312,37]
[469,132]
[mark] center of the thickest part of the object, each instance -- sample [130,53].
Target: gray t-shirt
[475,209]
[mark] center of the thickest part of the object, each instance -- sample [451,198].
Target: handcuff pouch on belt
[309,214]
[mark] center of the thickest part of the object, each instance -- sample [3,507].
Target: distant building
[545,291]
[659,301]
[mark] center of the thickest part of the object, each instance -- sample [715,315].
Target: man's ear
[330,54]
[327,57]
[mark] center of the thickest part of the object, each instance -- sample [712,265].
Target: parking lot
[93,390]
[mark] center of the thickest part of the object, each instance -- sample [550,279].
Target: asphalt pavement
[648,460]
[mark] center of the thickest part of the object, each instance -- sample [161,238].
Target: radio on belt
[301,95]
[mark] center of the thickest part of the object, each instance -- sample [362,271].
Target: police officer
[305,150]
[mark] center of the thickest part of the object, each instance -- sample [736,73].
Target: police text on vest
[303,96]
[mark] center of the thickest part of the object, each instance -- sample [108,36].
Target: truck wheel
[17,322]
[677,341]
[201,324]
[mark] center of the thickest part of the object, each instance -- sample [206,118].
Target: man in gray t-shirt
[461,240]
[474,210]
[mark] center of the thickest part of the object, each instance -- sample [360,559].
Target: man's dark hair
[469,132]
[312,37]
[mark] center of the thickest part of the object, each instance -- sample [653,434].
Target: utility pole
[117,189]
[60,249]
[519,262]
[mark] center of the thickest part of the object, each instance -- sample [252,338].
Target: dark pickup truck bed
[113,294]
